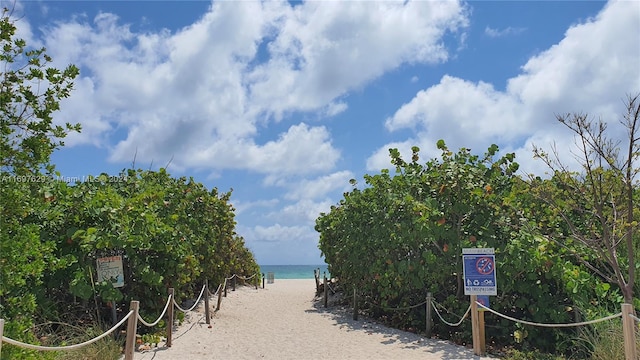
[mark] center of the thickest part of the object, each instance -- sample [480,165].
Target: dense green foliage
[27,138]
[170,232]
[401,236]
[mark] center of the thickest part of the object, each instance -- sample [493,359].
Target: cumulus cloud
[590,70]
[321,186]
[202,94]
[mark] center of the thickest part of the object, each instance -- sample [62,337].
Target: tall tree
[597,202]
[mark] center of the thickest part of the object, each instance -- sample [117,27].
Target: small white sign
[110,269]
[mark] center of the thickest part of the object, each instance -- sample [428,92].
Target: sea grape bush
[171,232]
[402,234]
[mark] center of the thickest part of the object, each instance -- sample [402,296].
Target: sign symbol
[484,265]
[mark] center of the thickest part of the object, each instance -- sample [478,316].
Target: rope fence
[433,303]
[477,309]
[549,325]
[194,304]
[166,306]
[132,318]
[67,347]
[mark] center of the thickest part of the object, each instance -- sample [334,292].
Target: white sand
[282,321]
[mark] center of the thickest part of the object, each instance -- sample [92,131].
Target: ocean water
[293,271]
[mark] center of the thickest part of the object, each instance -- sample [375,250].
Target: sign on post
[479,268]
[110,269]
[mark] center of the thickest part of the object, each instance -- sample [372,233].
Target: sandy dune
[283,322]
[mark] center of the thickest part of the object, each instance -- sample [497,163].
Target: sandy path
[283,322]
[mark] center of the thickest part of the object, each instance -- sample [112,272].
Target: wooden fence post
[206,302]
[257,281]
[170,317]
[428,315]
[219,299]
[355,304]
[1,332]
[263,280]
[225,287]
[234,283]
[132,325]
[479,347]
[316,275]
[628,329]
[326,290]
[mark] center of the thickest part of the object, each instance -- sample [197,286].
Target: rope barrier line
[399,308]
[550,325]
[170,300]
[217,291]
[433,304]
[246,278]
[194,305]
[634,317]
[166,306]
[67,347]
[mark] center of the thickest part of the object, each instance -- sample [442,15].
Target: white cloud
[279,233]
[321,186]
[305,211]
[491,32]
[590,71]
[324,49]
[198,94]
[244,206]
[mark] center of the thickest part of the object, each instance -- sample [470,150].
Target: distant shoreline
[294,271]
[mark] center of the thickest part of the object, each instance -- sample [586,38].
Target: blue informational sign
[479,268]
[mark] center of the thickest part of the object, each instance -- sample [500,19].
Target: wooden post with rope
[355,304]
[428,315]
[219,298]
[170,317]
[477,328]
[206,302]
[326,290]
[628,330]
[1,332]
[263,280]
[132,325]
[225,287]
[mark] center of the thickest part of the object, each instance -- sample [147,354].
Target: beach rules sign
[479,268]
[110,269]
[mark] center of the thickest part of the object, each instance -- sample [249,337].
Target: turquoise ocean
[293,271]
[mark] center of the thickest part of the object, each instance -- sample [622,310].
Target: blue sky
[285,102]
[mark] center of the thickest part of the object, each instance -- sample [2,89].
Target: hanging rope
[433,304]
[67,347]
[550,325]
[399,308]
[166,306]
[194,305]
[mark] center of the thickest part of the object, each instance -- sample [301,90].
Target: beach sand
[283,321]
